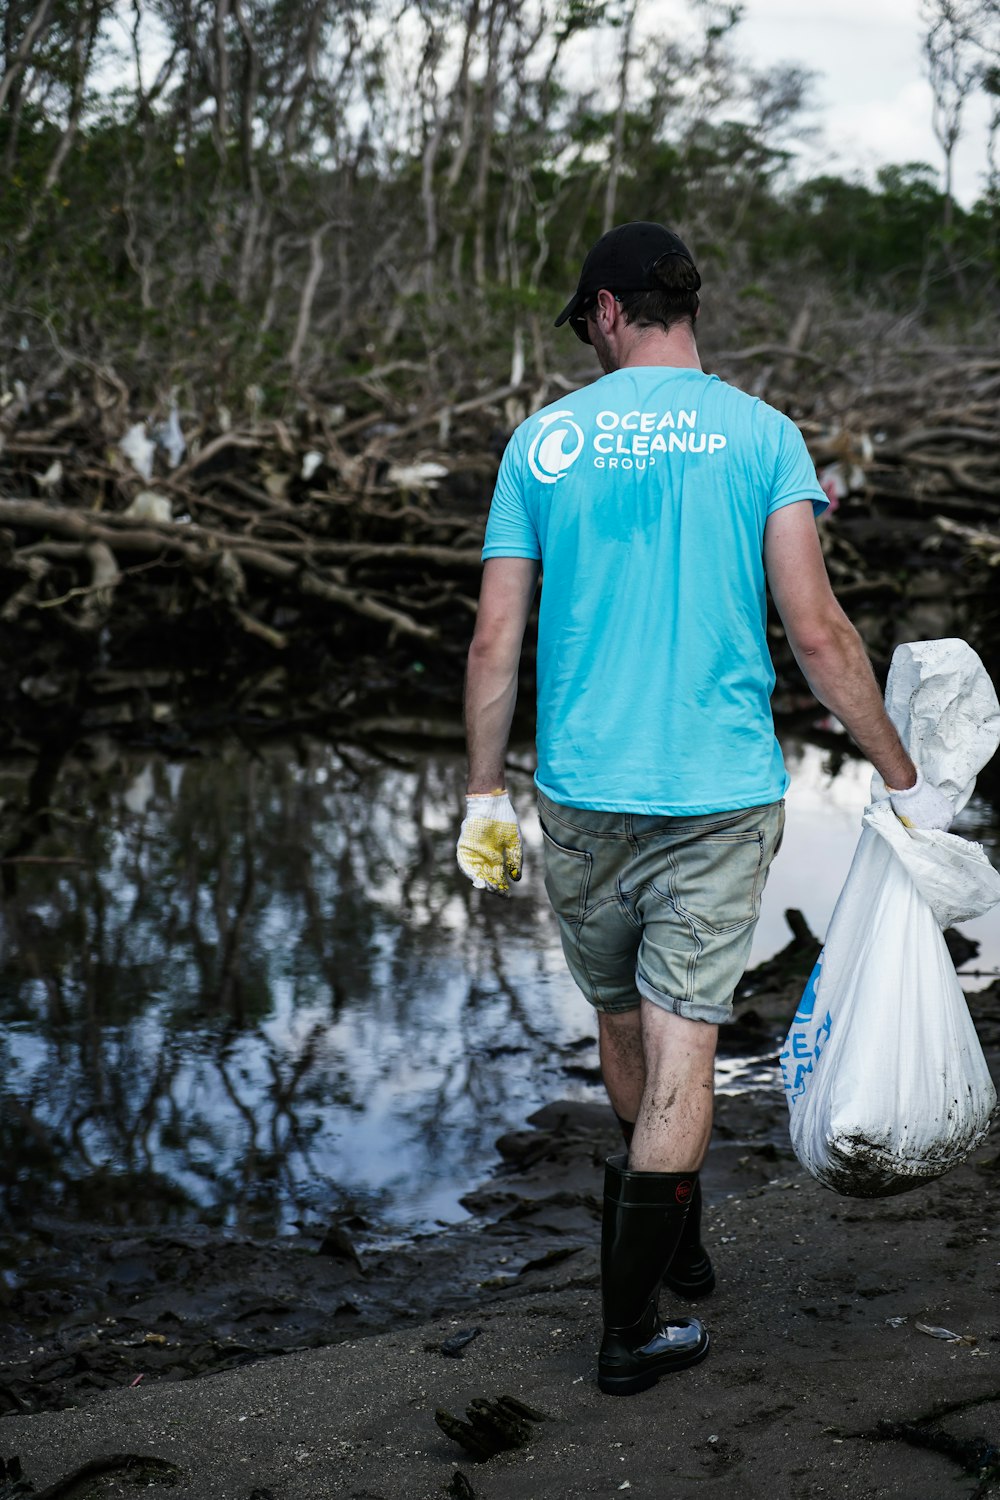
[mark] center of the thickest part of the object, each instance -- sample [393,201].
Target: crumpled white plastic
[944,705]
[139,449]
[953,874]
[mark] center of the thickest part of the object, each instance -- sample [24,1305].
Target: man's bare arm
[508,588]
[825,644]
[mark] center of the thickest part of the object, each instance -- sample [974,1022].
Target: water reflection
[262,993]
[265,992]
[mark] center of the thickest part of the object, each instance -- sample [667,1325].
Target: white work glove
[922,805]
[489,847]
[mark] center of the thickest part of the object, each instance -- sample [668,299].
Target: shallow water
[264,995]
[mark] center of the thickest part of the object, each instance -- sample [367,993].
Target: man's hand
[489,848]
[922,805]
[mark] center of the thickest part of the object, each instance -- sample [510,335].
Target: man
[657,501]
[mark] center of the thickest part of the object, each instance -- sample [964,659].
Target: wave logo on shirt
[548,455]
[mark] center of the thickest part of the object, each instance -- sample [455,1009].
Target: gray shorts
[659,907]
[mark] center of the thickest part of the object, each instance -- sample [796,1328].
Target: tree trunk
[618,141]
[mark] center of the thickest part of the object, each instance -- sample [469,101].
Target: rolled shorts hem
[688,1010]
[607,1007]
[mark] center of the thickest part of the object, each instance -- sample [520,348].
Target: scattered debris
[357,532]
[149,506]
[947,1335]
[139,450]
[170,438]
[493,1426]
[454,1347]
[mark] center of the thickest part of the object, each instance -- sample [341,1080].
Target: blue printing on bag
[805,1040]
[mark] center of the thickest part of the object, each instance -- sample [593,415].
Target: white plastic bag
[884,1075]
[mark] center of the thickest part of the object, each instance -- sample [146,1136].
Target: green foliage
[888,239]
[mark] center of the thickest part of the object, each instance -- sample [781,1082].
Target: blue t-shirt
[645,497]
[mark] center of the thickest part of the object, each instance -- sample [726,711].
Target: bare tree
[953,56]
[627,24]
[17,52]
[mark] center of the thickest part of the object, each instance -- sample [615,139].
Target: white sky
[875,103]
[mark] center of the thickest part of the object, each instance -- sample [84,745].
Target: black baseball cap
[623,261]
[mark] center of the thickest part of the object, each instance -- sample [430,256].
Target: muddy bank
[94,1308]
[854,1352]
[97,1309]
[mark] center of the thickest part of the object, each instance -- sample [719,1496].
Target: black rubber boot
[644,1214]
[689,1274]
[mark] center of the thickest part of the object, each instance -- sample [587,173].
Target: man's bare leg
[674,1123]
[623,1067]
[659,1071]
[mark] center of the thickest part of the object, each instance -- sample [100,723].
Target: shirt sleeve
[510,530]
[793,476]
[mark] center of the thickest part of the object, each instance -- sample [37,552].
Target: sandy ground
[816,1342]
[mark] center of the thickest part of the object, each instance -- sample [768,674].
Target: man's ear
[606,301]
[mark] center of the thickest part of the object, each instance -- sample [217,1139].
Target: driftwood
[326,569]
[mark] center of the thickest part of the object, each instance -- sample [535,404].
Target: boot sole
[631,1385]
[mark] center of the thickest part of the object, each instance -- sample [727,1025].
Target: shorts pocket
[567,878]
[716,881]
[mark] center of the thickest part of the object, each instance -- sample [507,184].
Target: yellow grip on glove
[489,848]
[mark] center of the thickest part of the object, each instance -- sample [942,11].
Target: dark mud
[94,1307]
[854,1354]
[855,1342]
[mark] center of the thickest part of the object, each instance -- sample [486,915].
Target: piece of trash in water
[311,461]
[895,1322]
[137,1381]
[493,1426]
[947,1335]
[454,1345]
